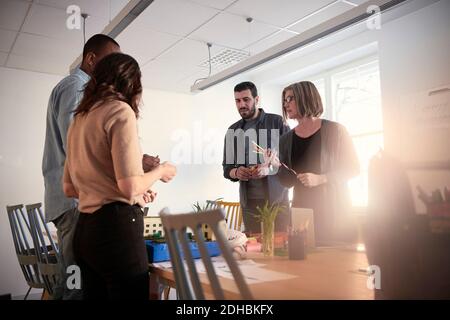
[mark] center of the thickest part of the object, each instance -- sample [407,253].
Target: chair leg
[28,292]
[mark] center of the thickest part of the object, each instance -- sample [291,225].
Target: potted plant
[267,215]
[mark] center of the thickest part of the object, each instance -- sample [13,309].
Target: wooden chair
[233,214]
[186,277]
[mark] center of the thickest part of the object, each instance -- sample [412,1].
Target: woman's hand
[149,196]
[145,198]
[168,171]
[271,158]
[311,180]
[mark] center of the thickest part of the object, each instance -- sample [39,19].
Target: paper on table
[252,271]
[163,265]
[257,275]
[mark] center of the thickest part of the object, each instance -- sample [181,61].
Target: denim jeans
[65,226]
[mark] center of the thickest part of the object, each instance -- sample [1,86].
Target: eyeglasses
[288,99]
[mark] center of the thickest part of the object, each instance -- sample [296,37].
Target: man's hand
[260,171]
[243,173]
[149,163]
[311,180]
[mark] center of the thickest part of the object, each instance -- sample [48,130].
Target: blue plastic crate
[158,252]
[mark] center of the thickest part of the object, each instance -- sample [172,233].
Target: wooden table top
[329,273]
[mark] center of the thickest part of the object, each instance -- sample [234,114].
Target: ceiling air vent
[225,59]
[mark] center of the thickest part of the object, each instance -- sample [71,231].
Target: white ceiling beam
[123,19]
[324,29]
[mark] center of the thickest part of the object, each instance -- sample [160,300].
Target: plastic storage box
[158,252]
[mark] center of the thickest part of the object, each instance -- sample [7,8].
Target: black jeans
[110,251]
[253,225]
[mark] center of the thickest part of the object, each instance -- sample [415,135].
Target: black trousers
[110,251]
[253,225]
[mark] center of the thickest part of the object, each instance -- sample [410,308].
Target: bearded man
[243,161]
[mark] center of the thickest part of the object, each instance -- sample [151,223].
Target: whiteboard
[423,122]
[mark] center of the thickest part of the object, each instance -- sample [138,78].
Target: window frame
[330,112]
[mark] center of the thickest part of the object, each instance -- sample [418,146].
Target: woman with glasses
[104,171]
[317,158]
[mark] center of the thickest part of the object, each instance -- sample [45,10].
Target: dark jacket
[338,161]
[275,191]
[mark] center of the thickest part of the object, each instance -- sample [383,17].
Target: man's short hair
[247,85]
[96,43]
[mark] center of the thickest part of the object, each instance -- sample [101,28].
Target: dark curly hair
[116,77]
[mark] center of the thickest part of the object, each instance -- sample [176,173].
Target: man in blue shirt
[64,99]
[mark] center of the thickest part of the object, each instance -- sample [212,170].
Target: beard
[248,113]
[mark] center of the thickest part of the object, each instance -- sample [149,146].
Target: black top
[306,159]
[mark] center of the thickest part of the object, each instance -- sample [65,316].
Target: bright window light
[351,95]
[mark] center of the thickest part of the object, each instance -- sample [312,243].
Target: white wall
[189,132]
[24,96]
[415,57]
[169,122]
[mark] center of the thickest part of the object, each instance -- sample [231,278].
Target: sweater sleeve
[121,129]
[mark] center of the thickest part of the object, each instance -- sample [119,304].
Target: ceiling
[168,39]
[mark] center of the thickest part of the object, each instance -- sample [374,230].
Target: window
[351,96]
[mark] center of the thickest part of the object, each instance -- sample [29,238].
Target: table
[326,273]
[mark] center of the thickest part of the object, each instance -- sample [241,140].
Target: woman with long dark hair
[104,171]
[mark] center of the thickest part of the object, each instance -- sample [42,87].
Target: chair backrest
[187,281]
[212,204]
[48,255]
[233,214]
[26,254]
